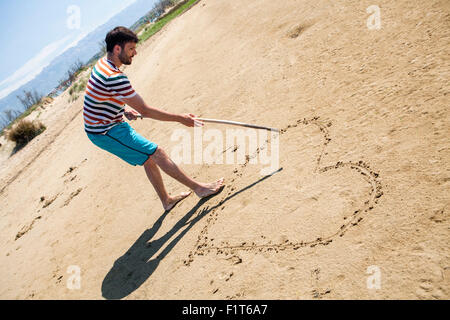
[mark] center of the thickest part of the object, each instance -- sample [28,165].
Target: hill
[84,50]
[358,208]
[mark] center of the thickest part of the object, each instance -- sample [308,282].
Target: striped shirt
[103,105]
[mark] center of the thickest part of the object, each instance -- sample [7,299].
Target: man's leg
[154,175]
[168,166]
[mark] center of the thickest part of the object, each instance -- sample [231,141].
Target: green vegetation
[28,111]
[176,11]
[76,88]
[157,11]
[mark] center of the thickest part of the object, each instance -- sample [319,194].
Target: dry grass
[24,131]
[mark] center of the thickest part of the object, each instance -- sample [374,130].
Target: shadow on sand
[132,269]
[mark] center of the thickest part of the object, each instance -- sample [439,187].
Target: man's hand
[189,120]
[138,104]
[131,114]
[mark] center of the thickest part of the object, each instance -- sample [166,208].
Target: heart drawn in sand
[329,199]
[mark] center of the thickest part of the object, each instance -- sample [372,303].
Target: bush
[25,131]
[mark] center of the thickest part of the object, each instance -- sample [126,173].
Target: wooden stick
[235,123]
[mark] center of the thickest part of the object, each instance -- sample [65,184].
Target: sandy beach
[357,208]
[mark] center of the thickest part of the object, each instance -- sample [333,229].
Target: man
[107,92]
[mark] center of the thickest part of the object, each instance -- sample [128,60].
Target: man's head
[121,42]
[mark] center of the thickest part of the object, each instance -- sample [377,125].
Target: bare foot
[207,189]
[174,200]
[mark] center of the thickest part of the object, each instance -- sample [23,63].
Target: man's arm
[138,104]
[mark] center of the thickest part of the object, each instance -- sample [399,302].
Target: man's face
[127,53]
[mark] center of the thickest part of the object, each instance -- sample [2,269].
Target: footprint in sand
[318,292]
[71,170]
[296,31]
[48,202]
[27,228]
[71,196]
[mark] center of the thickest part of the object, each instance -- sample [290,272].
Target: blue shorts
[123,141]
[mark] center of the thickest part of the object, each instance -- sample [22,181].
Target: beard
[124,58]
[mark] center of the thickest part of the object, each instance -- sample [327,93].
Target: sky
[34,32]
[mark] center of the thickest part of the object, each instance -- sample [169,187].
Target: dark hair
[120,36]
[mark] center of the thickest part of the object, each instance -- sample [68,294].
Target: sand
[357,210]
